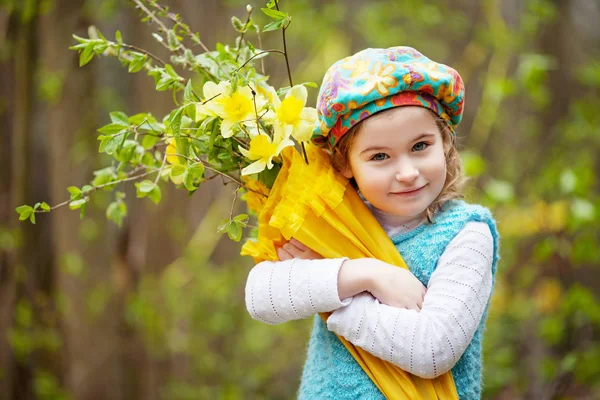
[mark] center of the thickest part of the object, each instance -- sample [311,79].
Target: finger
[292,250]
[283,255]
[299,245]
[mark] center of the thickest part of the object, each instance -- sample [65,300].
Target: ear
[347,172]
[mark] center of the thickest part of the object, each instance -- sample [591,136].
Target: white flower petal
[298,91]
[285,143]
[254,168]
[272,97]
[226,128]
[303,131]
[245,91]
[210,90]
[309,114]
[244,152]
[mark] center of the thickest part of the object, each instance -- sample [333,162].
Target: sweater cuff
[321,285]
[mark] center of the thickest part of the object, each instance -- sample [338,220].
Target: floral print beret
[374,80]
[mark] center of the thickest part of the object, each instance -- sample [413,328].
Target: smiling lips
[410,192]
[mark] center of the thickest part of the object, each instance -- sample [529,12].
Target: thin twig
[177,22]
[258,54]
[131,47]
[211,168]
[233,203]
[255,109]
[164,162]
[242,35]
[95,188]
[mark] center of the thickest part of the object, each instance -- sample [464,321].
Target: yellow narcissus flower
[257,194]
[297,120]
[263,149]
[233,107]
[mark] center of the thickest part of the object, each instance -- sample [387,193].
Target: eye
[379,157]
[420,146]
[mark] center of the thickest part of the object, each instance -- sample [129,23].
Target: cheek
[371,180]
[435,166]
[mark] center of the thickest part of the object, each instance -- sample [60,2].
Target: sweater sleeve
[281,291]
[430,342]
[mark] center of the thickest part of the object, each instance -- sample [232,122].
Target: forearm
[353,278]
[281,291]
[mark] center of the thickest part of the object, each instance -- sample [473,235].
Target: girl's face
[397,159]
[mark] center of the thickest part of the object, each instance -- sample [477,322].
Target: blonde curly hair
[455,180]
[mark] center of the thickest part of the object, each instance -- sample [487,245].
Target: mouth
[408,193]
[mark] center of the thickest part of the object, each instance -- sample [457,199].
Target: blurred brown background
[155,310]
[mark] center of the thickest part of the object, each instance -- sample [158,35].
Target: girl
[388,118]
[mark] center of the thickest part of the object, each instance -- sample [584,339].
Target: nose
[406,172]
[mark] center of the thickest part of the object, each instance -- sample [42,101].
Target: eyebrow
[374,148]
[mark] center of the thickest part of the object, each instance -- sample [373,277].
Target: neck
[394,222]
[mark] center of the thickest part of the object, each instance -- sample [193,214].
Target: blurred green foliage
[531,158]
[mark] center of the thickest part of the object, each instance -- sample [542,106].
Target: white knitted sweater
[457,293]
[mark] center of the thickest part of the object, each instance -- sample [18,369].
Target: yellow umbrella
[318,207]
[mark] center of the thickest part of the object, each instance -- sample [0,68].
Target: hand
[395,287]
[391,285]
[295,249]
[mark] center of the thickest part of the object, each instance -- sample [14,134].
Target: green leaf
[310,84]
[242,219]
[32,218]
[223,226]
[145,186]
[149,141]
[188,181]
[169,70]
[109,144]
[119,118]
[155,195]
[36,206]
[235,231]
[104,176]
[137,63]
[271,4]
[177,170]
[24,211]
[45,206]
[86,55]
[75,192]
[116,211]
[273,26]
[277,15]
[74,205]
[82,211]
[175,121]
[118,37]
[197,170]
[114,128]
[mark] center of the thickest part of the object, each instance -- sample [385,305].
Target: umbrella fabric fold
[318,207]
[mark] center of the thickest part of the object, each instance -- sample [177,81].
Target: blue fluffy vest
[331,372]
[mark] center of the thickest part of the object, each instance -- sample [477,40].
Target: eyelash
[413,148]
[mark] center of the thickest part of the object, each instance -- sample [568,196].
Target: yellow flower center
[261,147]
[290,110]
[237,106]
